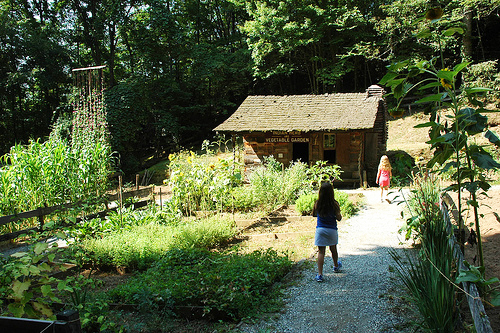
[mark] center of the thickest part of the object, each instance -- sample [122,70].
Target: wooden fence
[41,212]
[481,321]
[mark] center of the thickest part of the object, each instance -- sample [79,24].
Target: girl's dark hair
[325,205]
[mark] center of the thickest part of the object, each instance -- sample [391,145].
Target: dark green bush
[232,285]
[305,204]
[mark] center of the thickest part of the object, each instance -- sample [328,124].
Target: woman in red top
[384,175]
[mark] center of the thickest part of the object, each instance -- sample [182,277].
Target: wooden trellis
[89,116]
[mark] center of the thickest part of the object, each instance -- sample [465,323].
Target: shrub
[402,166]
[242,199]
[305,204]
[484,74]
[200,183]
[273,185]
[233,285]
[347,207]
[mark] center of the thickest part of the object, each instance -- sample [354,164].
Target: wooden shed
[348,129]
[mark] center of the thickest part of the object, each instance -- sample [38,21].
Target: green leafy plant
[231,284]
[202,184]
[273,185]
[305,203]
[320,172]
[489,289]
[449,133]
[25,280]
[422,204]
[402,167]
[92,308]
[428,276]
[138,246]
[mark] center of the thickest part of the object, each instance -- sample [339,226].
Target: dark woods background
[176,69]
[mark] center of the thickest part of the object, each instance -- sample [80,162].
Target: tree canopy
[175,69]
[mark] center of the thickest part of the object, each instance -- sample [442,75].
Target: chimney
[375,91]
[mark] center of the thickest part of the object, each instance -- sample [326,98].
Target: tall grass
[429,278]
[273,185]
[422,204]
[429,275]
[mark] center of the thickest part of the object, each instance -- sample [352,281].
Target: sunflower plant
[457,113]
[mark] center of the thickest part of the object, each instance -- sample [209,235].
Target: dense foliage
[209,182]
[139,246]
[175,69]
[228,285]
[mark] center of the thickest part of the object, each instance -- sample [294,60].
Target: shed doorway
[300,151]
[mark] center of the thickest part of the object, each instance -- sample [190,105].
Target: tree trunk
[467,50]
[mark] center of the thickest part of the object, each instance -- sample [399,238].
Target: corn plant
[50,173]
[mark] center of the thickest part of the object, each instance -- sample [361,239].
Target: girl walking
[327,209]
[384,175]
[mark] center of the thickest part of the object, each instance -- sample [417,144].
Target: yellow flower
[434,13]
[445,83]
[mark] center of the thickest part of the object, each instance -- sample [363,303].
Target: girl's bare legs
[321,259]
[335,255]
[381,193]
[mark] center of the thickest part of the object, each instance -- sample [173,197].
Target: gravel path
[359,299]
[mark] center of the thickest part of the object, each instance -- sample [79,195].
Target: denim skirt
[326,237]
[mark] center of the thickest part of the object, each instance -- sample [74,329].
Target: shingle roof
[304,113]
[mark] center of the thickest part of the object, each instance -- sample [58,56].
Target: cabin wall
[357,152]
[347,152]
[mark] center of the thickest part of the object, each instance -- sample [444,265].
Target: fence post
[40,218]
[137,181]
[120,197]
[71,322]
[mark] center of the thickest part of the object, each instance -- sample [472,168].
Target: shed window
[329,141]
